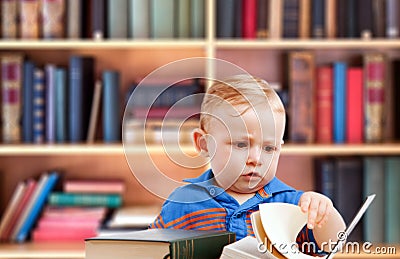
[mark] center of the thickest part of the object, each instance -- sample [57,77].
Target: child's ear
[200,142]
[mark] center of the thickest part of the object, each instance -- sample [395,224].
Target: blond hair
[239,90]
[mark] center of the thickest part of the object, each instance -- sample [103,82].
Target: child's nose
[254,156]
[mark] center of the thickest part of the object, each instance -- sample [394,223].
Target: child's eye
[269,148]
[240,144]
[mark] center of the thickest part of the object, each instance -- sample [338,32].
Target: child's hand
[318,207]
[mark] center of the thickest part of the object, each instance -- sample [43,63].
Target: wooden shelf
[102,44]
[374,44]
[43,250]
[118,149]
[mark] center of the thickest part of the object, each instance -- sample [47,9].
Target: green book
[85,199]
[392,205]
[159,243]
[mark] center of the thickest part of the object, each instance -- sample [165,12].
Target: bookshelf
[142,56]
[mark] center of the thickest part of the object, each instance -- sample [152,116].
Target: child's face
[245,149]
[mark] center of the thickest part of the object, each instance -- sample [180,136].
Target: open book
[276,226]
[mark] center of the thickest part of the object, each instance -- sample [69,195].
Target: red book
[249,18]
[66,234]
[324,112]
[374,96]
[354,104]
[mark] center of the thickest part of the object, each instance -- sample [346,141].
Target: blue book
[339,101]
[111,107]
[61,104]
[318,18]
[226,18]
[50,70]
[81,85]
[27,115]
[39,106]
[37,207]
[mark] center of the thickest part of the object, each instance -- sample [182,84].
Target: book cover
[355,105]
[304,18]
[275,19]
[392,205]
[374,182]
[139,19]
[94,186]
[302,96]
[11,88]
[160,243]
[9,229]
[374,96]
[11,207]
[249,19]
[94,112]
[27,92]
[226,18]
[29,19]
[53,18]
[318,19]
[339,101]
[9,19]
[392,18]
[117,22]
[111,108]
[74,18]
[81,84]
[290,18]
[162,13]
[133,216]
[245,248]
[324,104]
[50,111]
[85,199]
[61,108]
[197,18]
[39,105]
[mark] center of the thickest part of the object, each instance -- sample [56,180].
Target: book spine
[302,98]
[11,67]
[238,23]
[99,19]
[82,199]
[27,114]
[324,110]
[226,18]
[61,105]
[392,18]
[275,20]
[365,18]
[111,112]
[374,94]
[50,70]
[355,106]
[249,19]
[9,19]
[262,18]
[117,21]
[197,18]
[39,106]
[81,84]
[162,18]
[37,207]
[74,19]
[53,18]
[318,18]
[290,18]
[330,18]
[29,19]
[374,182]
[183,18]
[139,19]
[339,101]
[325,177]
[304,18]
[392,205]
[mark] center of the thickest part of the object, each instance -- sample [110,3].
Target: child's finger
[326,215]
[321,212]
[305,201]
[312,213]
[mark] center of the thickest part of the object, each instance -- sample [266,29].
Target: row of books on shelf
[54,209]
[102,19]
[55,104]
[341,102]
[347,180]
[307,19]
